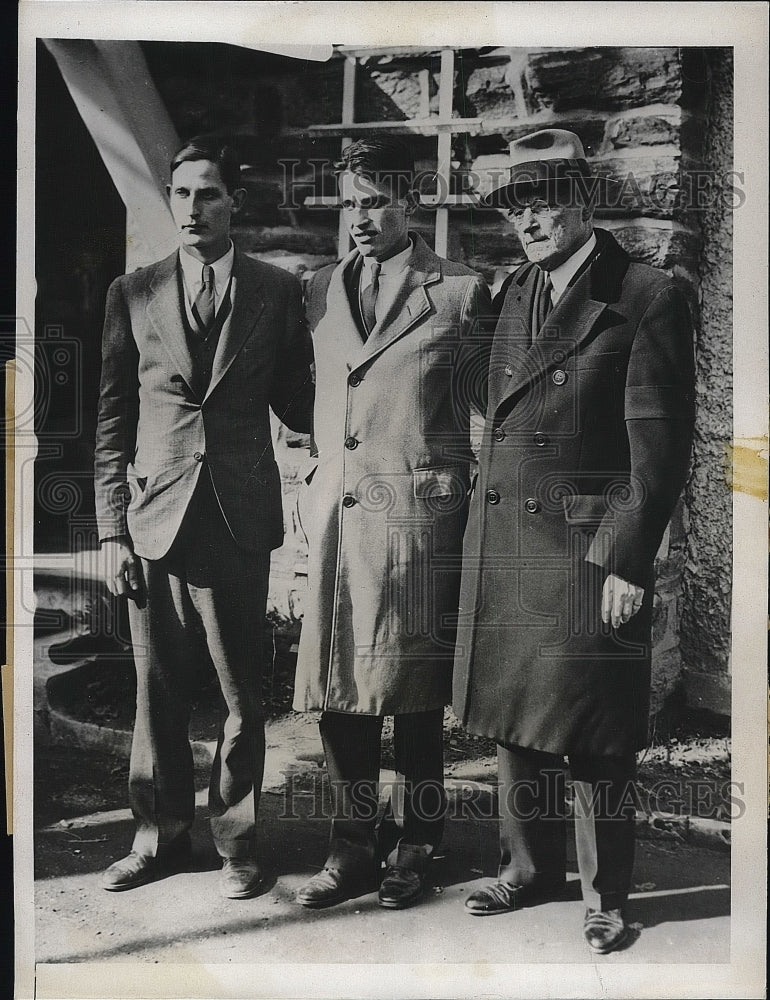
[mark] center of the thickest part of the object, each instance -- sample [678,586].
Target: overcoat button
[348,501]
[351,443]
[354,380]
[531,506]
[508,371]
[198,456]
[498,434]
[493,496]
[540,439]
[559,377]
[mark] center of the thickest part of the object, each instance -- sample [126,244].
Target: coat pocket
[443,488]
[584,508]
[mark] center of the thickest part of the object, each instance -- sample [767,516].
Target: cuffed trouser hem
[241,849]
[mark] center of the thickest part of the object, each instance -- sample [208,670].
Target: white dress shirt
[391,278]
[192,274]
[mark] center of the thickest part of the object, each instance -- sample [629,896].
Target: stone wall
[649,117]
[705,602]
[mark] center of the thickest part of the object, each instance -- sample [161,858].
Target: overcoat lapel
[164,313]
[347,336]
[571,321]
[410,304]
[247,306]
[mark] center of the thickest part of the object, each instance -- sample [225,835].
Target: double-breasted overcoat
[585,451]
[385,508]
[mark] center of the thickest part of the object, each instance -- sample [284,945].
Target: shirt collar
[564,273]
[192,269]
[388,268]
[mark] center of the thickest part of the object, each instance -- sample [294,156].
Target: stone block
[603,78]
[709,691]
[666,677]
[647,183]
[664,244]
[489,93]
[659,128]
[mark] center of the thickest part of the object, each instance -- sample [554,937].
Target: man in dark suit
[197,349]
[585,451]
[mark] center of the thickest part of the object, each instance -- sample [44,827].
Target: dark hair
[205,148]
[385,158]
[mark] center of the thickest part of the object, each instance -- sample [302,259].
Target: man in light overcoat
[197,349]
[585,451]
[398,364]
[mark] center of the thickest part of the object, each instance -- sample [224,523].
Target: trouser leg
[419,756]
[352,748]
[605,811]
[228,587]
[532,817]
[161,789]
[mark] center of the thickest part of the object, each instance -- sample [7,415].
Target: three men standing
[197,349]
[585,451]
[397,355]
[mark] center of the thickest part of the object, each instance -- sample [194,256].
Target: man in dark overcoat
[585,451]
[397,364]
[197,349]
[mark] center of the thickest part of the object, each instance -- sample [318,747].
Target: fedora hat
[553,158]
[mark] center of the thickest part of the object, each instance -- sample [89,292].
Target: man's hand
[620,600]
[122,569]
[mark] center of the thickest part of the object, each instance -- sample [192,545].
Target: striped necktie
[204,306]
[369,296]
[542,303]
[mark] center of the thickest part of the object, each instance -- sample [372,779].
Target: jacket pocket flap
[586,508]
[442,481]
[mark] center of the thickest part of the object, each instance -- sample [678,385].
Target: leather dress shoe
[240,878]
[400,887]
[139,869]
[604,930]
[503,897]
[331,886]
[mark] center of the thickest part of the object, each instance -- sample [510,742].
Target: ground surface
[679,908]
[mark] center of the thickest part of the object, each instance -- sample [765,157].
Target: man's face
[202,208]
[376,218]
[549,232]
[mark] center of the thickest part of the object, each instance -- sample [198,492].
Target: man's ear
[587,212]
[168,190]
[239,199]
[412,201]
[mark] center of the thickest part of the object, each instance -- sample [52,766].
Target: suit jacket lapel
[247,306]
[164,313]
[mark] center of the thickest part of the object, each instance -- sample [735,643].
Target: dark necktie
[369,297]
[204,306]
[542,304]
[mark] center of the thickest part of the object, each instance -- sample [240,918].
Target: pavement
[679,909]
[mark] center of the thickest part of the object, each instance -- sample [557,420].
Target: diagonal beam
[116,97]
